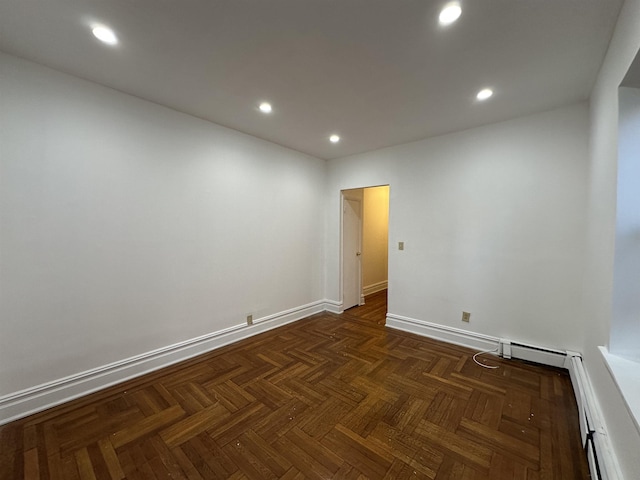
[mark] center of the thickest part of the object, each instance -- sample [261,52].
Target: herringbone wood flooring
[332,396]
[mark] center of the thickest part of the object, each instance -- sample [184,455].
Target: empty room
[320,239]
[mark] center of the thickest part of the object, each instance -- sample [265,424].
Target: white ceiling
[377,72]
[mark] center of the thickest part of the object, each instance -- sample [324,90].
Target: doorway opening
[365,250]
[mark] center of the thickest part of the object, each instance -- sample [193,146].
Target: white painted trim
[532,353]
[577,374]
[375,287]
[589,407]
[35,399]
[477,341]
[332,306]
[447,334]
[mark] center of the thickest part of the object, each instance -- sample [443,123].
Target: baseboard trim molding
[333,307]
[375,288]
[41,397]
[447,334]
[477,341]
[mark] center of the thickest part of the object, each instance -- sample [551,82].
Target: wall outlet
[249,319]
[400,245]
[466,316]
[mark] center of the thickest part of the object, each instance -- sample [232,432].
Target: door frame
[341,266]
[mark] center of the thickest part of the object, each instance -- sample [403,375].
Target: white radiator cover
[602,461]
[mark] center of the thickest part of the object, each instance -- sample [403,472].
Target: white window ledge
[626,374]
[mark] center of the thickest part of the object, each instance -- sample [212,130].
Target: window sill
[626,375]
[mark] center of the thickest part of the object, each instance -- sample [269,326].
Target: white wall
[625,326]
[126,226]
[375,231]
[493,221]
[600,235]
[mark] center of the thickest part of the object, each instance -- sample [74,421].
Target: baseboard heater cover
[532,353]
[603,464]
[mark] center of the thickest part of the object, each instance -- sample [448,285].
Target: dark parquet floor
[331,396]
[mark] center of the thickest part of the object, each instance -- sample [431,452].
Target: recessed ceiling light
[450,13]
[104,34]
[484,94]
[334,138]
[265,107]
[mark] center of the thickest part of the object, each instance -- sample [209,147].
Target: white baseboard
[375,287]
[447,334]
[35,399]
[333,306]
[477,341]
